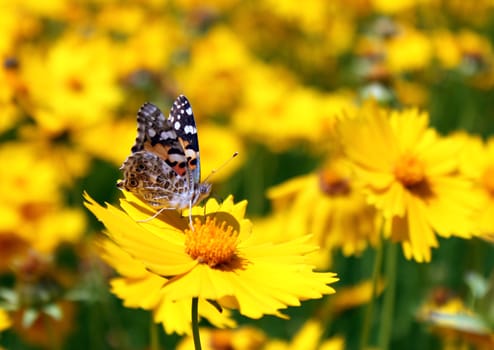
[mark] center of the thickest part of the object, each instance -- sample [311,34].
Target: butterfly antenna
[220,167]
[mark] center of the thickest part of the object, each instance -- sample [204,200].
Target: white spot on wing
[188,111]
[167,135]
[176,125]
[189,129]
[151,132]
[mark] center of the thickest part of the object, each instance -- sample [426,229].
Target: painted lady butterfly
[164,169]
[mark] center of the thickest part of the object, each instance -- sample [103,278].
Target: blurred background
[266,78]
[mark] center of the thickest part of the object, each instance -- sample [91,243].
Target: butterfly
[164,168]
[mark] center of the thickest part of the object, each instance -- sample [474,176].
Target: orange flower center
[488,179]
[333,184]
[409,171]
[211,243]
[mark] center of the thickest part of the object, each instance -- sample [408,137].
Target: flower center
[211,243]
[409,171]
[488,179]
[333,184]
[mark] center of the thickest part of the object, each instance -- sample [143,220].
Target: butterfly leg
[155,215]
[190,216]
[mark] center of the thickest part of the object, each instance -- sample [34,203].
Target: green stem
[195,323]
[378,258]
[153,334]
[387,313]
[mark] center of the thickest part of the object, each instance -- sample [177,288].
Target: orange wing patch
[176,161]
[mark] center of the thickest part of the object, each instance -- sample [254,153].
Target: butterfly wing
[150,178]
[156,135]
[181,119]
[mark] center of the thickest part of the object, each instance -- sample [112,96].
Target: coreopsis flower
[276,95]
[410,174]
[31,203]
[219,60]
[139,288]
[327,205]
[243,338]
[5,321]
[477,163]
[214,258]
[409,50]
[349,297]
[308,337]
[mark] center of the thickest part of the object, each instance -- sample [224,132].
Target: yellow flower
[159,37]
[410,174]
[218,60]
[243,338]
[409,50]
[209,6]
[349,297]
[446,48]
[312,17]
[217,146]
[73,84]
[31,203]
[5,321]
[215,259]
[139,288]
[272,109]
[115,149]
[477,163]
[308,338]
[392,7]
[327,205]
[249,338]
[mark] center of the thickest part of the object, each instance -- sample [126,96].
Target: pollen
[409,171]
[211,243]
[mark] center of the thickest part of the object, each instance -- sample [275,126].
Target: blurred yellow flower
[73,84]
[409,50]
[109,140]
[139,288]
[207,6]
[215,259]
[308,338]
[394,7]
[5,321]
[217,146]
[159,39]
[243,338]
[327,205]
[311,17]
[349,297]
[410,174]
[477,163]
[31,203]
[278,112]
[219,61]
[446,49]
